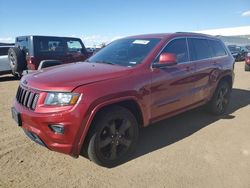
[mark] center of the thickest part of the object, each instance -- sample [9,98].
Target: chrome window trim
[188,49]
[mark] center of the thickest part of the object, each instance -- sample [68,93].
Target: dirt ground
[193,149]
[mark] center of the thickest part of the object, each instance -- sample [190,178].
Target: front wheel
[220,100]
[114,136]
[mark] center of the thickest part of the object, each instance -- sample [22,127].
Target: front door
[171,88]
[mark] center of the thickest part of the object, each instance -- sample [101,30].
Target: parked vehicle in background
[247,62]
[29,51]
[90,51]
[97,107]
[4,62]
[239,52]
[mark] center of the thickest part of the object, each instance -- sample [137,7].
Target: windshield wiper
[105,62]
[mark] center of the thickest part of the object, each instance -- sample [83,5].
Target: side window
[4,51]
[74,46]
[22,42]
[199,49]
[179,48]
[218,48]
[49,45]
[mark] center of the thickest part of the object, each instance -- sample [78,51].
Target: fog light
[58,129]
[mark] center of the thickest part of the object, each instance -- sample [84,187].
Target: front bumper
[36,127]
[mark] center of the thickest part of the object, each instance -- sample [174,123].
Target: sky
[97,21]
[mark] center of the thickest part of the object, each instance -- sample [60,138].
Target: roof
[47,36]
[166,35]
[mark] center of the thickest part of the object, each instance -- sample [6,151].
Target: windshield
[125,52]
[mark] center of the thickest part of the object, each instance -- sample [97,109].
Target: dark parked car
[247,62]
[97,107]
[29,51]
[239,52]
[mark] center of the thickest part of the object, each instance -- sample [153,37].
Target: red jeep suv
[98,106]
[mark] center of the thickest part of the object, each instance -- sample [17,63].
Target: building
[234,35]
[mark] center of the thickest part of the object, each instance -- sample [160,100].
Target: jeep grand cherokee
[99,105]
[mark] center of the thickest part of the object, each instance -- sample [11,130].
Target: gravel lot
[193,149]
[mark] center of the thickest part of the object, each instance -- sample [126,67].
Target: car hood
[69,76]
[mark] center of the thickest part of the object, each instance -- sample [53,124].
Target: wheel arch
[129,103]
[228,78]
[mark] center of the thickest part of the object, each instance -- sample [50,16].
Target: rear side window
[218,48]
[48,45]
[74,46]
[22,43]
[179,48]
[4,51]
[199,49]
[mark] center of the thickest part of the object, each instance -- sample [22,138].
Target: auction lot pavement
[193,149]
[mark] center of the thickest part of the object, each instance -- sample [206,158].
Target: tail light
[30,60]
[31,63]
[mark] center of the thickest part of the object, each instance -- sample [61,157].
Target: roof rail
[187,32]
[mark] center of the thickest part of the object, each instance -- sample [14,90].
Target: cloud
[246,13]
[7,40]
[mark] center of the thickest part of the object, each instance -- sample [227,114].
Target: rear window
[49,45]
[199,49]
[4,51]
[218,48]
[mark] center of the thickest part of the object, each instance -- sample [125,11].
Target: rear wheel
[114,136]
[17,61]
[220,100]
[247,67]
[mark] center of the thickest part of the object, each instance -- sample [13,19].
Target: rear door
[171,88]
[202,55]
[75,50]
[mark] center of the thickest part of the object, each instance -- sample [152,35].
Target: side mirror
[166,59]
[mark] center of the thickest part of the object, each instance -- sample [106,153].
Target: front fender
[93,110]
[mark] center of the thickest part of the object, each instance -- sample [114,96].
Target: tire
[220,100]
[247,67]
[113,137]
[17,61]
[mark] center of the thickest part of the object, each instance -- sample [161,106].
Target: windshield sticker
[141,42]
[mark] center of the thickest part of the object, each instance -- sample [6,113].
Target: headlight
[61,98]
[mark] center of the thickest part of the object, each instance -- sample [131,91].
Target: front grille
[27,98]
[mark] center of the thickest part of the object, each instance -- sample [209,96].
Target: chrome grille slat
[31,97]
[22,97]
[33,106]
[27,98]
